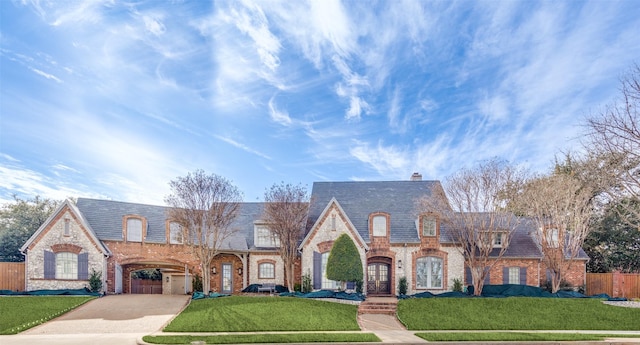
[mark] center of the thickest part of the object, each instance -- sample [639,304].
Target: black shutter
[317,271]
[487,280]
[49,265]
[523,275]
[467,276]
[505,275]
[83,266]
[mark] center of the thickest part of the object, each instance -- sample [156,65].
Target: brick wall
[532,266]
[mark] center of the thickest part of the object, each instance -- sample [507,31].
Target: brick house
[393,238]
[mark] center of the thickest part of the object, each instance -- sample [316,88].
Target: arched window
[66,265]
[379,224]
[266,270]
[429,272]
[175,233]
[134,230]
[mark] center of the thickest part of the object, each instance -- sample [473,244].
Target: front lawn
[515,313]
[295,338]
[255,314]
[515,336]
[23,312]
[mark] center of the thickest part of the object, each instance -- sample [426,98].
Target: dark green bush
[95,281]
[457,285]
[344,263]
[402,286]
[197,283]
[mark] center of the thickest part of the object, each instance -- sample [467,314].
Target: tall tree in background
[18,221]
[561,205]
[613,244]
[476,213]
[614,138]
[285,212]
[205,206]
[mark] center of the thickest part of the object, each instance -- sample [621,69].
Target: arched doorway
[379,276]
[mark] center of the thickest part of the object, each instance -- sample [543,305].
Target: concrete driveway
[117,319]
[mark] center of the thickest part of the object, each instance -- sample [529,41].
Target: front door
[378,279]
[227,281]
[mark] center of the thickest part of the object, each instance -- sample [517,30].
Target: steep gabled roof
[105,217]
[83,222]
[359,199]
[350,226]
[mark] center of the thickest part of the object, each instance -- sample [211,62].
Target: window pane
[428,226]
[266,270]
[436,273]
[326,283]
[379,226]
[429,273]
[66,266]
[175,233]
[422,273]
[134,230]
[514,275]
[265,238]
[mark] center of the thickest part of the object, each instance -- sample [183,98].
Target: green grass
[265,338]
[255,314]
[515,336]
[23,312]
[516,313]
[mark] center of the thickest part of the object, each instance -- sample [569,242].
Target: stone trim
[66,247]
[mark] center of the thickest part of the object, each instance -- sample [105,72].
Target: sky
[113,99]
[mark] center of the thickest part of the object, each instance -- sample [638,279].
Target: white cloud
[280,117]
[242,146]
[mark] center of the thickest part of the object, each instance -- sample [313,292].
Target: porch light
[167,279]
[213,270]
[400,264]
[240,271]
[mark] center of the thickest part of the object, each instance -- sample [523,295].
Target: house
[394,239]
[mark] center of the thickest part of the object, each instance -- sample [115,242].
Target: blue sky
[113,99]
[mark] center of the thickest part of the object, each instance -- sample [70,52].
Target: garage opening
[148,281]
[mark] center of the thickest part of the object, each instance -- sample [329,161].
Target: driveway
[117,319]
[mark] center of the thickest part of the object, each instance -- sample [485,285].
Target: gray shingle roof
[360,198]
[105,218]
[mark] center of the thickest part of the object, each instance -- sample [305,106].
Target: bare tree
[614,138]
[285,213]
[476,213]
[561,205]
[205,206]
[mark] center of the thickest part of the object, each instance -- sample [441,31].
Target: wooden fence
[12,276]
[614,284]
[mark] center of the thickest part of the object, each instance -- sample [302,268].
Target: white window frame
[134,236]
[327,284]
[266,270]
[425,270]
[264,238]
[514,275]
[499,239]
[66,265]
[175,233]
[379,225]
[433,225]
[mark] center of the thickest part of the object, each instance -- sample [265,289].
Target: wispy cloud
[242,146]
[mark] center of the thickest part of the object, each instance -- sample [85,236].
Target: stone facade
[63,233]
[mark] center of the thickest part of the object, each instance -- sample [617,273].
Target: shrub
[344,263]
[402,286]
[197,283]
[359,286]
[95,281]
[457,285]
[306,283]
[297,287]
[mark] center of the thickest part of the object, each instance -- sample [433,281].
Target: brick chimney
[416,177]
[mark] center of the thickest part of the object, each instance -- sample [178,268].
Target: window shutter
[49,265]
[467,276]
[83,266]
[523,275]
[505,275]
[317,270]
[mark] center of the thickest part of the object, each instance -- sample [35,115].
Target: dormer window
[551,237]
[379,226]
[498,239]
[263,237]
[134,229]
[429,226]
[175,233]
